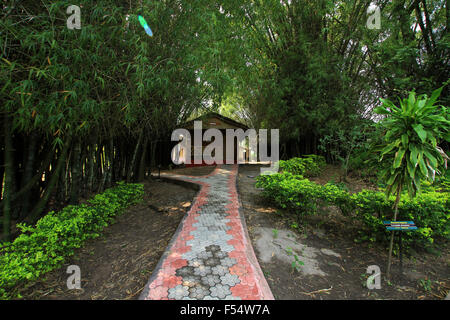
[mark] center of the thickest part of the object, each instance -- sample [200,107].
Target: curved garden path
[210,255]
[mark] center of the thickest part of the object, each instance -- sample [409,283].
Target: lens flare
[145,26]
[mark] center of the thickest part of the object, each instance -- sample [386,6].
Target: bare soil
[426,275]
[117,265]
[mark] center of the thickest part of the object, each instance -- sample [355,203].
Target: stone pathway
[210,255]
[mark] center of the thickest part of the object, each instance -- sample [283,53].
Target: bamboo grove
[81,109]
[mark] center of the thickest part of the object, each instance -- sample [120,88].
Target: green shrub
[320,160]
[43,248]
[429,210]
[290,191]
[443,182]
[309,166]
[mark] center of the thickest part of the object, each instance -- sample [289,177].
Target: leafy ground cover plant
[44,247]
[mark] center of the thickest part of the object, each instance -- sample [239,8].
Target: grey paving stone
[230,279]
[178,292]
[220,291]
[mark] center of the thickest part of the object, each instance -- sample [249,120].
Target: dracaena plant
[409,152]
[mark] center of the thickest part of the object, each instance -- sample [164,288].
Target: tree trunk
[110,161]
[15,174]
[447,16]
[61,195]
[142,163]
[2,171]
[91,158]
[133,160]
[102,167]
[83,175]
[315,144]
[153,160]
[117,163]
[422,27]
[297,149]
[397,200]
[28,173]
[76,173]
[30,184]
[51,185]
[8,180]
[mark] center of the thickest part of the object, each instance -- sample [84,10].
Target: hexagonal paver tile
[213,248]
[231,297]
[185,271]
[220,291]
[178,292]
[198,292]
[195,263]
[212,262]
[202,271]
[227,262]
[220,254]
[230,279]
[210,280]
[191,281]
[219,270]
[204,255]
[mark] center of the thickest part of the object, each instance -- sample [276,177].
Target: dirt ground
[117,265]
[334,265]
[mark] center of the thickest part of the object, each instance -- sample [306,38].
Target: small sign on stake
[400,226]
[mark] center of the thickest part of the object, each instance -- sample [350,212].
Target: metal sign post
[400,226]
[401,256]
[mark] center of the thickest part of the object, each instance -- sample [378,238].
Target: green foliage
[410,153]
[344,65]
[344,141]
[296,263]
[309,166]
[294,192]
[426,284]
[275,233]
[44,247]
[318,160]
[68,82]
[443,183]
[429,210]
